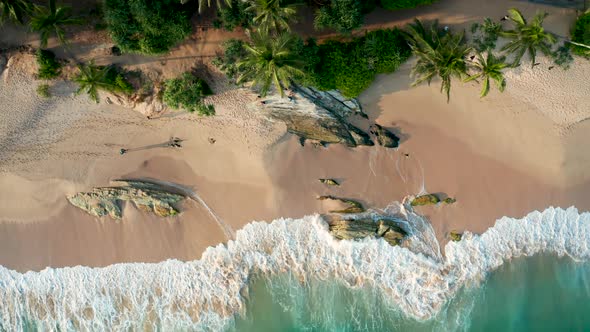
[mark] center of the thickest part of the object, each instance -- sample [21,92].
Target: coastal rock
[146,105]
[356,229]
[332,100]
[146,196]
[455,236]
[307,117]
[449,200]
[429,199]
[330,182]
[384,137]
[351,206]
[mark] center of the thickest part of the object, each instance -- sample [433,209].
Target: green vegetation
[401,4]
[236,15]
[527,37]
[351,66]
[487,68]
[52,20]
[188,91]
[43,91]
[581,36]
[234,51]
[145,26]
[93,78]
[15,10]
[270,16]
[340,15]
[440,53]
[49,67]
[203,3]
[485,35]
[270,61]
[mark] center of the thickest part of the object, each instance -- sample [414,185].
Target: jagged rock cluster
[354,229]
[146,196]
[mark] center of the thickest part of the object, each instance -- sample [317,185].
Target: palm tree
[203,3]
[93,78]
[271,16]
[440,53]
[530,37]
[269,61]
[14,10]
[488,68]
[52,20]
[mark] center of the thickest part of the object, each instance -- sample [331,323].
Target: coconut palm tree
[270,16]
[14,10]
[440,53]
[48,21]
[269,61]
[203,3]
[489,67]
[93,78]
[527,37]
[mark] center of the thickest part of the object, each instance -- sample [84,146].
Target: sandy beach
[505,155]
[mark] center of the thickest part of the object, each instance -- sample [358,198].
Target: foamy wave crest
[206,294]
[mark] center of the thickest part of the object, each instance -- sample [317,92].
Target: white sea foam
[206,294]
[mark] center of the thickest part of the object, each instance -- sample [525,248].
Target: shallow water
[528,294]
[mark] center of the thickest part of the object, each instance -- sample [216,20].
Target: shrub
[231,17]
[351,66]
[581,34]
[563,57]
[43,90]
[147,26]
[340,15]
[49,67]
[233,52]
[188,91]
[401,4]
[485,35]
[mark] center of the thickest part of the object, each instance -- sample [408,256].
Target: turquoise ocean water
[525,274]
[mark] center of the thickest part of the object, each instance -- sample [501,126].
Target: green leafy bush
[188,91]
[147,26]
[115,78]
[401,4]
[43,90]
[231,17]
[485,35]
[233,52]
[49,67]
[581,34]
[351,66]
[340,15]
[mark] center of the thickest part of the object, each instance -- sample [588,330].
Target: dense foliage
[340,15]
[188,91]
[147,26]
[52,20]
[351,66]
[92,78]
[581,35]
[401,4]
[49,67]
[236,15]
[14,10]
[234,51]
[270,16]
[485,35]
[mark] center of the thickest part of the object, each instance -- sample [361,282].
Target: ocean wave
[208,293]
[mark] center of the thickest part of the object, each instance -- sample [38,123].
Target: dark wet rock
[356,229]
[455,236]
[449,200]
[359,136]
[352,206]
[146,196]
[429,199]
[384,137]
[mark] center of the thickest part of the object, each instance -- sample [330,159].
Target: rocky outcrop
[332,100]
[384,137]
[148,104]
[455,236]
[387,229]
[350,205]
[330,182]
[429,199]
[311,119]
[146,196]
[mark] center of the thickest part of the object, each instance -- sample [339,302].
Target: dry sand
[507,154]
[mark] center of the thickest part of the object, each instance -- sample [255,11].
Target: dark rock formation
[384,137]
[352,206]
[455,236]
[449,200]
[429,199]
[146,196]
[387,229]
